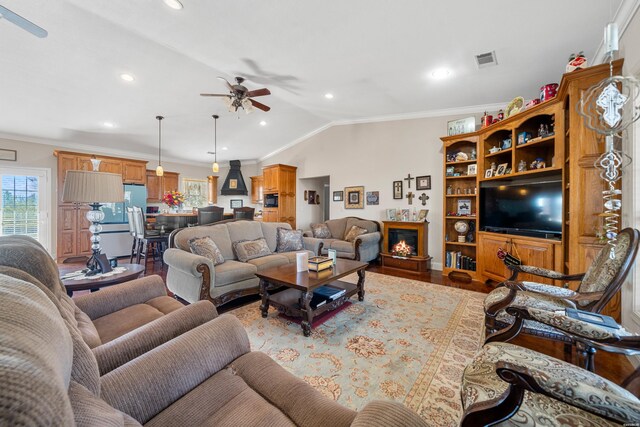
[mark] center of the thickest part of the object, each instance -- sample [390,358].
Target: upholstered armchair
[505,379]
[597,286]
[118,323]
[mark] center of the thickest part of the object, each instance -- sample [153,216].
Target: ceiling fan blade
[22,22]
[229,86]
[214,94]
[259,105]
[258,92]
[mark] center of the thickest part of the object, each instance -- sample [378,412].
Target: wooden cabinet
[270,215]
[281,180]
[271,175]
[73,235]
[158,185]
[134,172]
[532,251]
[213,189]
[257,188]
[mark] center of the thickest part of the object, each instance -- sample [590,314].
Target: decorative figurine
[486,120]
[500,115]
[450,190]
[472,229]
[576,62]
[506,143]
[522,166]
[473,154]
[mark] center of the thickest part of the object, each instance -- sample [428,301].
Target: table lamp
[93,188]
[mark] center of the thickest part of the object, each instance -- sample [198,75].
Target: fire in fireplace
[408,237]
[402,249]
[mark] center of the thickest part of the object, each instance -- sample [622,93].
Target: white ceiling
[376,56]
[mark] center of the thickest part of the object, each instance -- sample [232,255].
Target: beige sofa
[365,247]
[194,277]
[205,377]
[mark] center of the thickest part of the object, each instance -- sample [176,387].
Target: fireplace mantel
[415,231]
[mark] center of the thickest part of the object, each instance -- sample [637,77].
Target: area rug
[408,341]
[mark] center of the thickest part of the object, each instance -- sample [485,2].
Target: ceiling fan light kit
[241,97]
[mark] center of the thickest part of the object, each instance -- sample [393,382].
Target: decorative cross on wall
[410,196]
[423,198]
[409,179]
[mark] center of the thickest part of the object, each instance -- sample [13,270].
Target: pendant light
[159,170]
[215,167]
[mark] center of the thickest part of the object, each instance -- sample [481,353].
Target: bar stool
[244,213]
[210,214]
[147,238]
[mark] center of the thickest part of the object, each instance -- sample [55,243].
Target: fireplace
[405,246]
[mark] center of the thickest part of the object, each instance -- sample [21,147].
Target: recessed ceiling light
[440,73]
[174,4]
[328,95]
[108,125]
[127,77]
[263,123]
[225,148]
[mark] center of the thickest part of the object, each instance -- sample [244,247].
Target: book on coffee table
[329,292]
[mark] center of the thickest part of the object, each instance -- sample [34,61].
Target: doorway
[25,204]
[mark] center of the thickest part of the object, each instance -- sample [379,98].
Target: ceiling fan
[240,97]
[23,23]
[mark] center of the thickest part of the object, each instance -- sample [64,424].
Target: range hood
[234,182]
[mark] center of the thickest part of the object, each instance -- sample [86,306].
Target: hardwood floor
[611,366]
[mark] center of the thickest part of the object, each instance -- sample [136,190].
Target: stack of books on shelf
[325,294]
[457,260]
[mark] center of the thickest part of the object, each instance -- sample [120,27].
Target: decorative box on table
[319,263]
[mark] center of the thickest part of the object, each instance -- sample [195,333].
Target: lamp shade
[92,187]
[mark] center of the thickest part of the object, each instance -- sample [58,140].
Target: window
[24,204]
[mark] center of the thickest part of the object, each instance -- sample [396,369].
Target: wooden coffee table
[296,300]
[133,271]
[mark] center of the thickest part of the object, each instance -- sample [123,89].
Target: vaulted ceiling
[375,56]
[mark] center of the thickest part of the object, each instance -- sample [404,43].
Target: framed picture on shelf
[464,207]
[338,196]
[397,190]
[450,170]
[472,169]
[354,197]
[236,203]
[391,215]
[502,168]
[488,173]
[405,215]
[423,182]
[457,127]
[422,215]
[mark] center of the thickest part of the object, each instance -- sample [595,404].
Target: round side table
[133,272]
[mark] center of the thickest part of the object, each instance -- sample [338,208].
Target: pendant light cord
[159,139]
[215,138]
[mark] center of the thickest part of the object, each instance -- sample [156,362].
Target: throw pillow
[206,247]
[320,231]
[250,249]
[289,240]
[354,232]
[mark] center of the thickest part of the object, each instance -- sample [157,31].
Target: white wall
[374,155]
[630,51]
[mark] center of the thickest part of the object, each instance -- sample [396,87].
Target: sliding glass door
[24,206]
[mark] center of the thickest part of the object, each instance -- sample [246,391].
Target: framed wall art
[423,182]
[9,155]
[236,203]
[196,192]
[373,197]
[338,196]
[354,197]
[397,190]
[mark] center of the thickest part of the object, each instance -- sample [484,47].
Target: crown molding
[94,149]
[389,118]
[623,17]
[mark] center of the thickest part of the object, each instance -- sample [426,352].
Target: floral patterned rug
[408,341]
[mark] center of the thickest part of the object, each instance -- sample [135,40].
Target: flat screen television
[528,207]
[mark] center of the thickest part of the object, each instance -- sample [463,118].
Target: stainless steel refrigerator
[115,238]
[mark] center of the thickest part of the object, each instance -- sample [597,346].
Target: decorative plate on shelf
[514,107]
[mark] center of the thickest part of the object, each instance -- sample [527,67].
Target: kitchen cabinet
[158,185]
[257,184]
[281,180]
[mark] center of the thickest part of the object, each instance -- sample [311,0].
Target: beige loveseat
[365,247]
[193,277]
[205,377]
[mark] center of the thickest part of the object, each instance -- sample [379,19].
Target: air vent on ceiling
[486,59]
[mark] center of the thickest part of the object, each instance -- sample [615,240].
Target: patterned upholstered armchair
[507,382]
[597,286]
